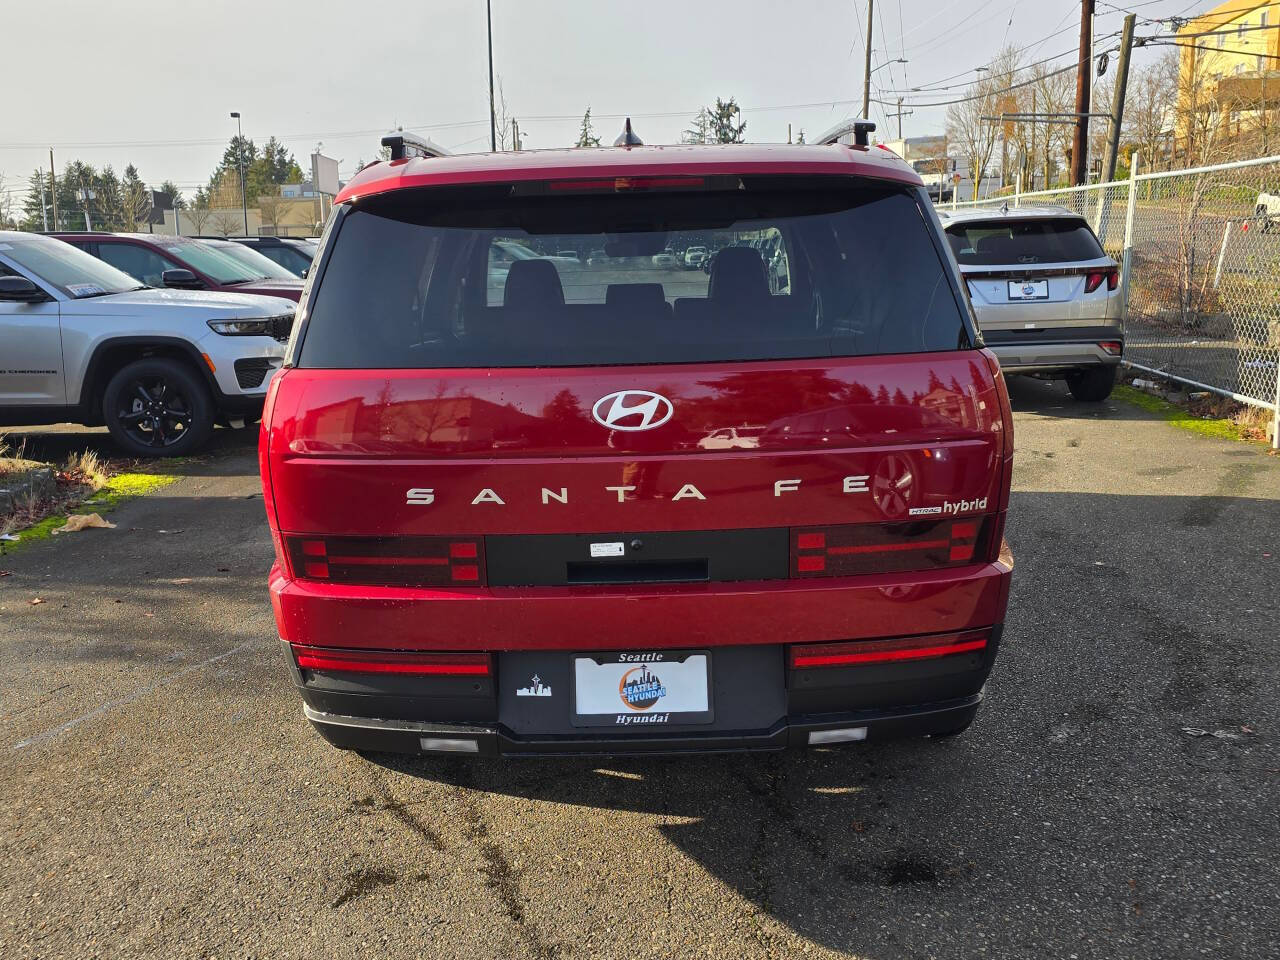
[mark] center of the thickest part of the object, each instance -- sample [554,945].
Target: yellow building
[1229,75]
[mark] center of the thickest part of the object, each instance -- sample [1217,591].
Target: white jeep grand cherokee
[82,342]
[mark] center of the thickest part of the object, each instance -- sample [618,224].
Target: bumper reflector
[841,735]
[449,745]
[857,652]
[382,661]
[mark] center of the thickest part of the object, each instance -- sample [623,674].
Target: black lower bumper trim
[402,736]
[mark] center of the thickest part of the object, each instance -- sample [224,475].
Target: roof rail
[407,145]
[860,129]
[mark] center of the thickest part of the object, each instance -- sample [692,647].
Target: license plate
[642,690]
[1028,289]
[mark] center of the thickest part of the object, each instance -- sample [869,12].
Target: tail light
[1113,347]
[887,547]
[389,561]
[1093,279]
[858,652]
[393,661]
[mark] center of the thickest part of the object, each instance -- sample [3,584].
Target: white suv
[82,342]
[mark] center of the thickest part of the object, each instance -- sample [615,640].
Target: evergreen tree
[170,190]
[700,129]
[727,125]
[135,198]
[587,135]
[35,207]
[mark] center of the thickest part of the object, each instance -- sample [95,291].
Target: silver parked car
[1047,297]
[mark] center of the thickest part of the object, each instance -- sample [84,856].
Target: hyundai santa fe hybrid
[500,527]
[1048,299]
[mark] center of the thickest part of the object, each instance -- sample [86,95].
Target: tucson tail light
[857,652]
[393,661]
[887,547]
[389,561]
[1093,279]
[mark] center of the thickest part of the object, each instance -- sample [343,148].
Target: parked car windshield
[213,263]
[426,278]
[1023,241]
[251,258]
[69,269]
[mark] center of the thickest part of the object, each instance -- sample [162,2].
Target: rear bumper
[1037,357]
[415,737]
[757,702]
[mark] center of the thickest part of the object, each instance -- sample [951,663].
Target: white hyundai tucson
[82,342]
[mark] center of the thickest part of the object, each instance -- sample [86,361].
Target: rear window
[531,276]
[1023,241]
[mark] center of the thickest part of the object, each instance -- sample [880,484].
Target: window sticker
[84,289]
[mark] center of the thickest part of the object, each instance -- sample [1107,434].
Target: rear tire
[1092,385]
[157,408]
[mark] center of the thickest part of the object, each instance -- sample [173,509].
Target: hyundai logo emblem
[632,410]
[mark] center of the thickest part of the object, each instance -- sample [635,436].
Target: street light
[886,63]
[244,200]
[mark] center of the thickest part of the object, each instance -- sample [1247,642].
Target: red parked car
[496,530]
[182,263]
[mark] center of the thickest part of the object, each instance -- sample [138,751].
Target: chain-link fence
[1201,256]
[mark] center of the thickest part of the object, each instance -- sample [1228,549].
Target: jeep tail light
[392,661]
[1093,279]
[389,561]
[851,549]
[859,652]
[1113,347]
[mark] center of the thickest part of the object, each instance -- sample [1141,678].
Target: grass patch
[112,492]
[1217,428]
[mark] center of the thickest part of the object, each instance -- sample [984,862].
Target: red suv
[497,527]
[181,263]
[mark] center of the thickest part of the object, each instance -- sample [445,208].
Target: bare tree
[1054,93]
[6,207]
[502,118]
[974,137]
[1150,106]
[197,213]
[272,208]
[227,222]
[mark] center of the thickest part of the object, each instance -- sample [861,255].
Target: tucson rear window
[552,275]
[1023,241]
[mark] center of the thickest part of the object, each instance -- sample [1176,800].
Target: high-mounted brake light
[859,652]
[389,561]
[383,661]
[888,547]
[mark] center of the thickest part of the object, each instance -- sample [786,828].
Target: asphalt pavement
[1118,796]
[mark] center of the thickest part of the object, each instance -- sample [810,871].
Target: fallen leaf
[5,573]
[36,600]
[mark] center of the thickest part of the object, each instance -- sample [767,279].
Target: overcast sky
[153,82]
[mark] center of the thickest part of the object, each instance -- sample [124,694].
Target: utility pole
[86,195]
[1117,103]
[53,189]
[515,134]
[900,114]
[1031,154]
[866,68]
[44,211]
[1084,70]
[493,117]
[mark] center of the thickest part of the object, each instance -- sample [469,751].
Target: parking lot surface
[1118,796]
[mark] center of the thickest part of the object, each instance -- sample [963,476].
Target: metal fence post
[1275,414]
[1017,190]
[1126,257]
